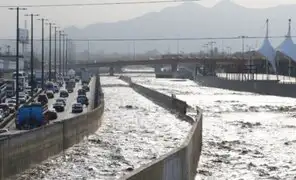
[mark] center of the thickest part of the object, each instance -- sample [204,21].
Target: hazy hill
[189,20]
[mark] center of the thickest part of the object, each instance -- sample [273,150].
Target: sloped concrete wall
[18,152]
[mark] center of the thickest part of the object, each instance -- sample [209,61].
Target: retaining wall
[261,87]
[19,151]
[181,163]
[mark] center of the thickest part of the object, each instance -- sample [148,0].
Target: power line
[164,39]
[96,4]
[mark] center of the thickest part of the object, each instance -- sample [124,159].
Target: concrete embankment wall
[18,152]
[261,87]
[181,163]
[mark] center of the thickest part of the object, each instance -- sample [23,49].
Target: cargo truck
[30,117]
[10,88]
[85,78]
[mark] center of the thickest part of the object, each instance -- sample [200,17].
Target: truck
[70,85]
[10,88]
[85,78]
[30,116]
[71,73]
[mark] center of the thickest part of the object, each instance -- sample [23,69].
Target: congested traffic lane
[67,113]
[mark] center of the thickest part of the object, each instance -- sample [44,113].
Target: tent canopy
[269,52]
[288,48]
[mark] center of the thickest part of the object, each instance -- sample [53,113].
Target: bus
[22,79]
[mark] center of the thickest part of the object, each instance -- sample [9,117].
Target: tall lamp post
[63,63]
[50,54]
[66,65]
[55,53]
[17,51]
[32,51]
[60,52]
[42,53]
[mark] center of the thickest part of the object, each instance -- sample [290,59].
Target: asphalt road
[68,109]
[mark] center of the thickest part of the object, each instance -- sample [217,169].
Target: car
[50,94]
[11,101]
[77,108]
[51,114]
[60,83]
[24,94]
[56,89]
[42,98]
[81,92]
[5,108]
[85,87]
[4,131]
[59,106]
[77,79]
[62,101]
[1,115]
[12,107]
[64,94]
[22,99]
[82,99]
[70,89]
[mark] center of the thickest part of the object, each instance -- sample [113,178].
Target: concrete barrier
[260,86]
[181,163]
[19,151]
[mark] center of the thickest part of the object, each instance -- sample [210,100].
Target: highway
[68,109]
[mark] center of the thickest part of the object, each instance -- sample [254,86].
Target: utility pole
[42,59]
[211,43]
[55,53]
[60,52]
[64,45]
[17,52]
[66,56]
[134,44]
[50,52]
[32,51]
[42,54]
[49,55]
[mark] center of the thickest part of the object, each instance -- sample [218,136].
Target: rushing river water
[245,135]
[134,132]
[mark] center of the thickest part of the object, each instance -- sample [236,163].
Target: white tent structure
[288,48]
[267,50]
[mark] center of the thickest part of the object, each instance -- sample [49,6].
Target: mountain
[226,19]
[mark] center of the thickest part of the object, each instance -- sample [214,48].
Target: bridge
[174,62]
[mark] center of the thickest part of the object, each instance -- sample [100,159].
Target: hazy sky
[83,16]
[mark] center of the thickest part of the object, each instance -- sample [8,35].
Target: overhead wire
[96,4]
[164,39]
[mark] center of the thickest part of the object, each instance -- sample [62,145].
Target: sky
[83,16]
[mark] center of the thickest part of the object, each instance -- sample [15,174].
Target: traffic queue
[39,113]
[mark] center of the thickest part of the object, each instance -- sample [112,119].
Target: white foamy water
[134,132]
[245,135]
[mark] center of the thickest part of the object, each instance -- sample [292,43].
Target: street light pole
[60,52]
[42,54]
[32,51]
[42,58]
[63,63]
[66,65]
[55,53]
[17,52]
[50,54]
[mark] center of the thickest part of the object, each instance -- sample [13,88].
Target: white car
[2,115]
